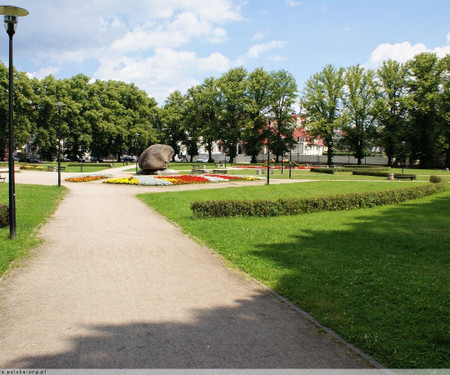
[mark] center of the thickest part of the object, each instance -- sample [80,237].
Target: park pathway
[115,285]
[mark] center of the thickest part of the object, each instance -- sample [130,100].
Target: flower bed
[122,181]
[176,180]
[87,178]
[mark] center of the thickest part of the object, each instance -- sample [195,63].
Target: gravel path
[114,285]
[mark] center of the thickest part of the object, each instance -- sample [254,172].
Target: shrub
[4,215]
[292,206]
[436,179]
[323,170]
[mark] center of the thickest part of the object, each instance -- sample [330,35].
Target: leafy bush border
[295,206]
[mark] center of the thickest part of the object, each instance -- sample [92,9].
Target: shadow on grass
[381,281]
[259,332]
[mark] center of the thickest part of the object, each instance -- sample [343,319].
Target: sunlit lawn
[379,277]
[34,203]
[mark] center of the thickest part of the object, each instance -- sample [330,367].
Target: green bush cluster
[4,215]
[292,206]
[323,170]
[436,179]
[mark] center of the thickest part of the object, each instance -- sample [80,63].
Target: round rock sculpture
[155,158]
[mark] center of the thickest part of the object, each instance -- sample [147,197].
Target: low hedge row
[4,215]
[323,170]
[294,206]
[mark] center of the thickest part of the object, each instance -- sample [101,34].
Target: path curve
[115,285]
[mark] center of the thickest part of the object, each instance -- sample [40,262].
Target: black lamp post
[59,105]
[11,14]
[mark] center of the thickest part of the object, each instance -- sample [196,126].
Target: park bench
[220,171]
[198,171]
[411,177]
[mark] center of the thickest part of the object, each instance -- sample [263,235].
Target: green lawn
[34,203]
[378,277]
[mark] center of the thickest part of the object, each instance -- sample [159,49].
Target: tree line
[403,108]
[400,107]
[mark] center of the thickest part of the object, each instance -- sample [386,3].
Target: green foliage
[425,84]
[4,215]
[322,99]
[323,170]
[283,206]
[391,110]
[360,110]
[436,179]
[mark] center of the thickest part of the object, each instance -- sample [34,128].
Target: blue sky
[167,45]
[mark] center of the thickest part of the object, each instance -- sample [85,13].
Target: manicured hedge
[323,170]
[292,206]
[4,215]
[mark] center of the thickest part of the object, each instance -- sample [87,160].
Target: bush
[4,215]
[436,179]
[323,170]
[292,206]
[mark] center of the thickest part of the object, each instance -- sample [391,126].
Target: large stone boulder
[155,158]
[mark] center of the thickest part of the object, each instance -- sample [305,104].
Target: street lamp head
[11,14]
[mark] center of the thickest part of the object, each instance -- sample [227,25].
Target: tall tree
[203,115]
[283,97]
[391,111]
[360,110]
[444,110]
[322,99]
[172,130]
[259,94]
[232,86]
[23,96]
[424,84]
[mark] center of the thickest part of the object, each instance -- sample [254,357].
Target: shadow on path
[243,336]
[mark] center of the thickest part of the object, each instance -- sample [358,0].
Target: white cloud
[44,72]
[146,42]
[401,52]
[293,3]
[167,70]
[256,50]
[277,58]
